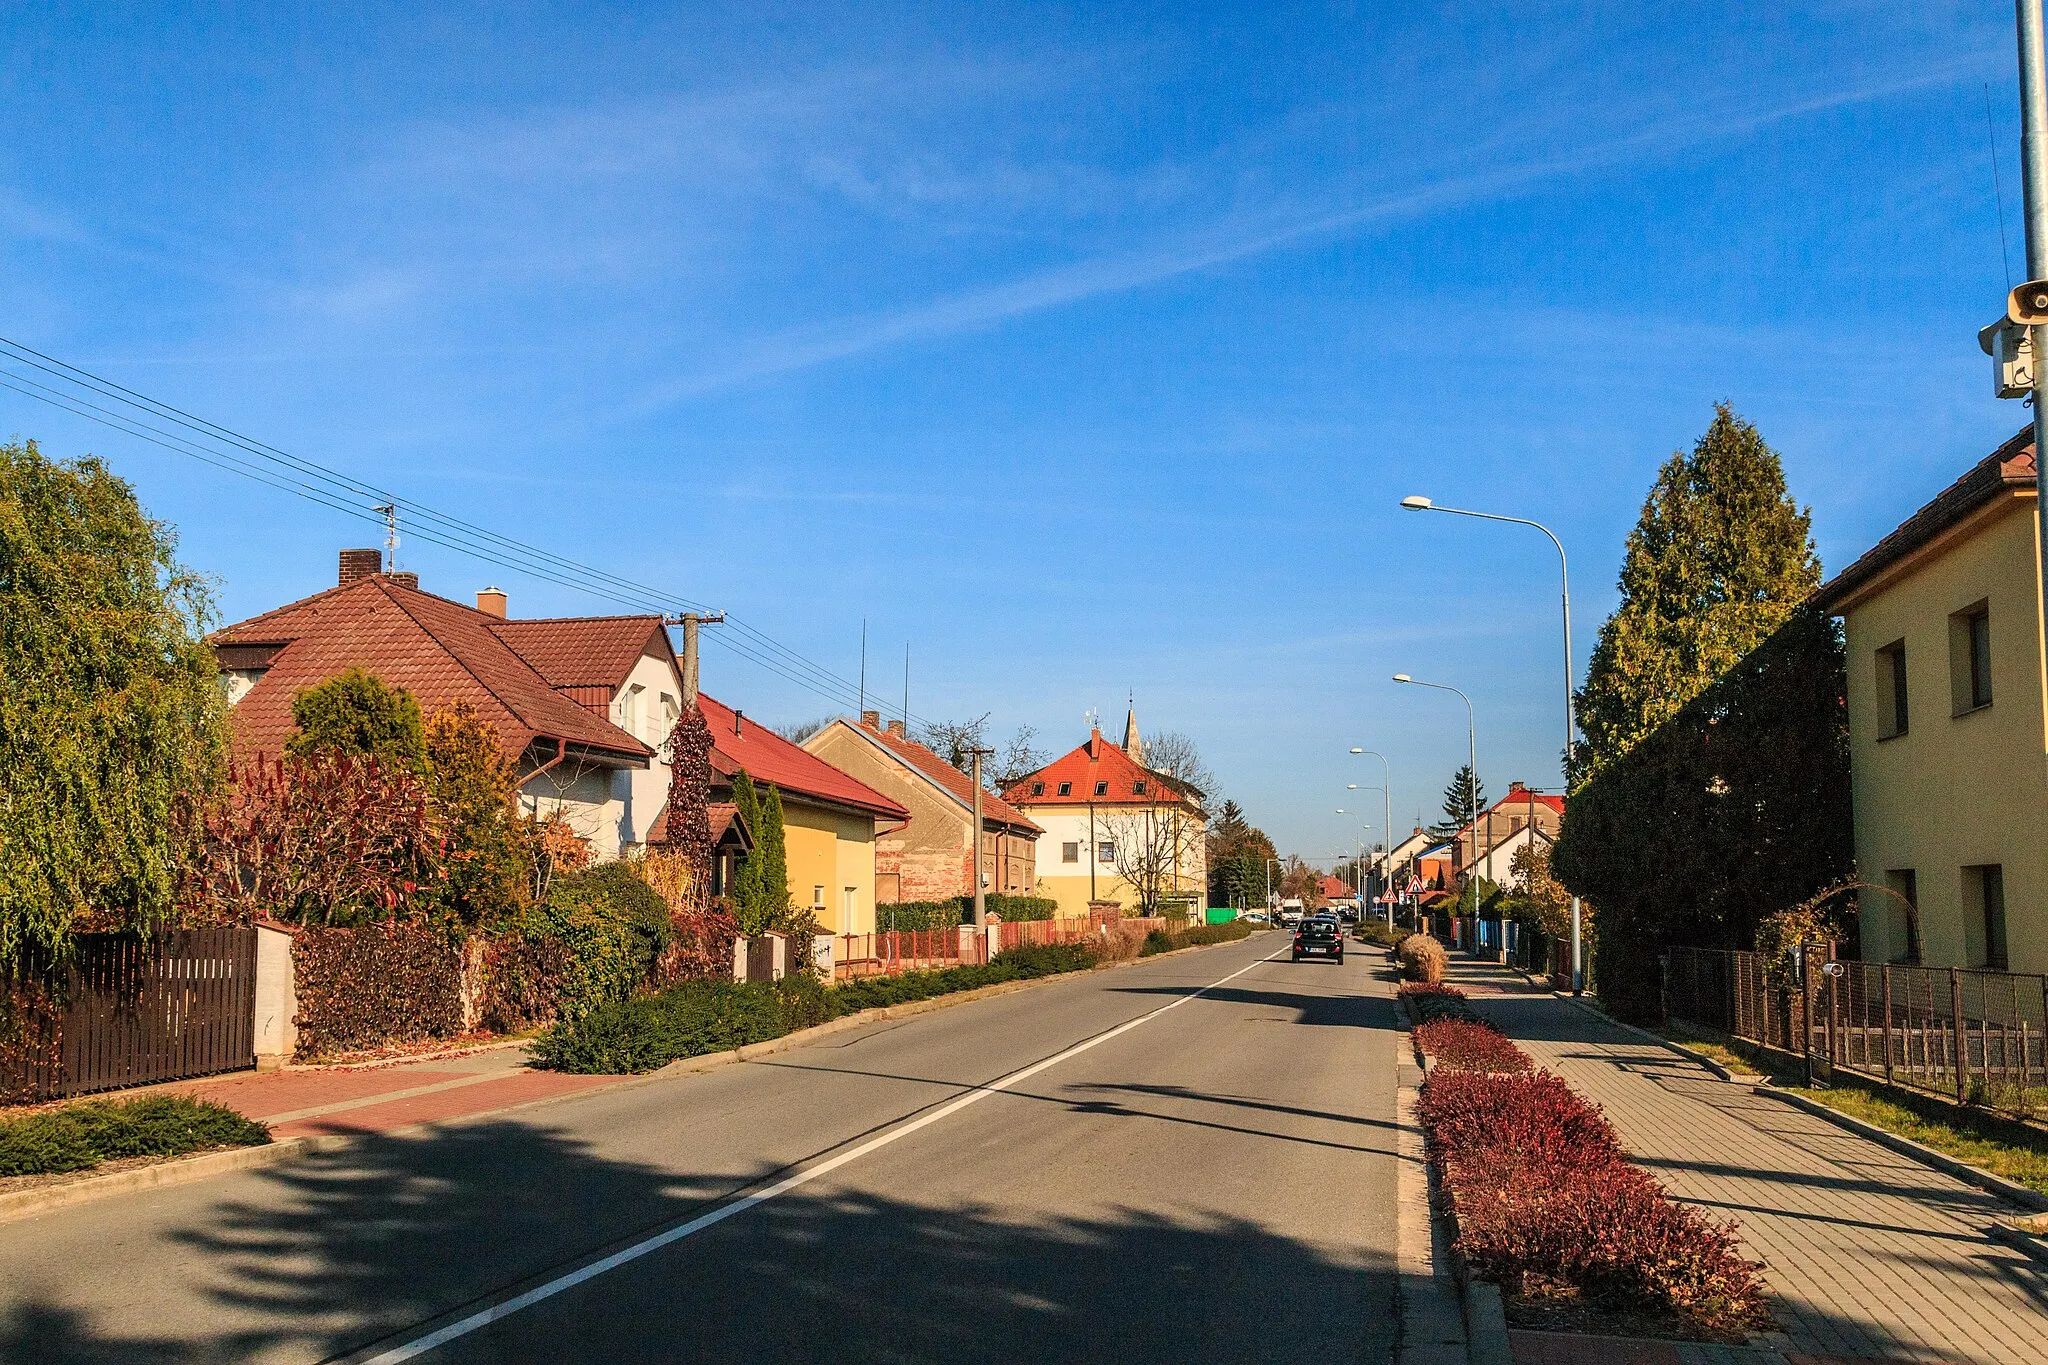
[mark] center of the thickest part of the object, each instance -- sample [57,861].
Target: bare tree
[1020,758]
[1173,754]
[802,730]
[956,740]
[1157,851]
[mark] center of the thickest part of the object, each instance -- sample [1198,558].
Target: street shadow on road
[315,1260]
[1326,1004]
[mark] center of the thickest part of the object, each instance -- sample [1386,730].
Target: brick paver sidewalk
[300,1101]
[1870,1254]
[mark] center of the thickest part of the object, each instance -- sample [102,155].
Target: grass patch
[80,1136]
[1726,1052]
[2000,1146]
[700,1017]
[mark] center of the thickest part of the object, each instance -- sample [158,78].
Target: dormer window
[1038,789]
[1138,787]
[1102,788]
[1066,789]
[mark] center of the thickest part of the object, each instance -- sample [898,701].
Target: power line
[137,415]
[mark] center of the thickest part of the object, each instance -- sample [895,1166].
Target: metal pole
[2034,186]
[974,862]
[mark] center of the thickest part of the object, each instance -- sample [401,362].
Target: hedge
[1167,940]
[957,910]
[79,1136]
[715,1016]
[361,988]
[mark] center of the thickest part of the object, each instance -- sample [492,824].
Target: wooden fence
[133,1010]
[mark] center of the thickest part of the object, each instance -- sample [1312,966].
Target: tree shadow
[321,1259]
[1318,1005]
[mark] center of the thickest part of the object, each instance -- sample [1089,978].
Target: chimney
[738,716]
[404,579]
[491,602]
[871,719]
[896,729]
[359,564]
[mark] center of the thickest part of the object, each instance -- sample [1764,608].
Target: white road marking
[498,1312]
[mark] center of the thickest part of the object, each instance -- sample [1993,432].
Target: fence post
[276,1002]
[1886,973]
[1805,1013]
[1961,1056]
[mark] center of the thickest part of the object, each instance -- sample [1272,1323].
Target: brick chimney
[359,564]
[871,719]
[404,579]
[491,602]
[896,729]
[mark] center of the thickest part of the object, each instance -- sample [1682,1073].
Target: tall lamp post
[1386,815]
[1271,863]
[1472,791]
[1417,503]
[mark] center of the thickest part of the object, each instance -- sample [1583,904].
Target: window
[1102,789]
[1106,853]
[818,897]
[1891,690]
[849,900]
[1038,789]
[1070,852]
[1984,911]
[1902,913]
[1138,787]
[670,712]
[629,709]
[1066,789]
[1969,658]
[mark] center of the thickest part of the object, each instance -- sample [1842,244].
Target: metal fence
[132,1010]
[1976,1036]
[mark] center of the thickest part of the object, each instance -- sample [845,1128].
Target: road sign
[1415,886]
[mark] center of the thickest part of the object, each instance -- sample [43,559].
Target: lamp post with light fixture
[1471,791]
[1386,815]
[1418,503]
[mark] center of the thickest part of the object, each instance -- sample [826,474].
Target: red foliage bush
[1464,1045]
[1544,1198]
[383,983]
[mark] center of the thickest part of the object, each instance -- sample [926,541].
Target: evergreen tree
[743,893]
[1465,796]
[471,795]
[110,713]
[772,850]
[355,713]
[1718,560]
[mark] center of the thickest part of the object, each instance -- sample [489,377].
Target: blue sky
[1087,349]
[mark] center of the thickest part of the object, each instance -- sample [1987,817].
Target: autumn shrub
[1465,1046]
[77,1137]
[1423,958]
[1119,942]
[1547,1205]
[561,959]
[1427,1000]
[364,987]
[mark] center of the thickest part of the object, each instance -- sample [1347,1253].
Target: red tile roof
[943,774]
[586,651]
[720,815]
[1335,888]
[440,651]
[768,757]
[2006,469]
[1097,761]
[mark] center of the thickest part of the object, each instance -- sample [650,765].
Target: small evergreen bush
[80,1136]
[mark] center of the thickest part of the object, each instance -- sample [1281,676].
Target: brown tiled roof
[2008,468]
[768,757]
[722,815]
[586,651]
[440,651]
[1096,761]
[943,774]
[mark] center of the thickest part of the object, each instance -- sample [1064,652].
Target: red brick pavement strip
[1871,1256]
[287,1092]
[441,1105]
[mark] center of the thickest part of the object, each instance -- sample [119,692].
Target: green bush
[917,916]
[1166,940]
[1017,908]
[79,1136]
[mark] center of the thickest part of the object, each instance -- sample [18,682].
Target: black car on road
[1319,936]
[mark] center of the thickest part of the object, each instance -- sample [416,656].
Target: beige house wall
[835,850]
[1067,882]
[1957,790]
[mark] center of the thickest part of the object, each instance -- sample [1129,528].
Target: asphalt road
[1174,1176]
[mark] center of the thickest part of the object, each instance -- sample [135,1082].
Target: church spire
[1134,747]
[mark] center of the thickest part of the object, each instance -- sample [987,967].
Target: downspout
[561,752]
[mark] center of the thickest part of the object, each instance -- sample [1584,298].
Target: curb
[177,1171]
[183,1170]
[2010,1191]
[1431,1309]
[2022,1242]
[1486,1325]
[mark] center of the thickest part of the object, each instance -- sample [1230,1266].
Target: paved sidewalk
[298,1102]
[1870,1255]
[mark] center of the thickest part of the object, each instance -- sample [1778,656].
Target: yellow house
[829,818]
[1113,827]
[1941,621]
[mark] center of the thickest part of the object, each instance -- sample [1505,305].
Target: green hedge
[946,914]
[1167,940]
[1017,908]
[79,1136]
[714,1016]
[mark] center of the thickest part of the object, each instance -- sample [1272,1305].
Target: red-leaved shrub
[1545,1199]
[1464,1045]
[382,983]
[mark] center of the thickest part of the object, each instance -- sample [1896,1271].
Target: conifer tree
[772,850]
[354,714]
[1718,560]
[1464,796]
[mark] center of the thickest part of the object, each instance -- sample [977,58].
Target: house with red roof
[583,706]
[932,857]
[1104,812]
[1521,817]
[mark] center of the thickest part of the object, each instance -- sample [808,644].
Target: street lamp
[1418,503]
[1387,813]
[1471,791]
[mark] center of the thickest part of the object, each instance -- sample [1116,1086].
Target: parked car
[1256,917]
[1319,936]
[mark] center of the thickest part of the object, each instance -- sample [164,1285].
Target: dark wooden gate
[136,1009]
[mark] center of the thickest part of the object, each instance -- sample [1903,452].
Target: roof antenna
[389,510]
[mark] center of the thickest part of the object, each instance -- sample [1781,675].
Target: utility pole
[689,621]
[863,668]
[2034,187]
[980,905]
